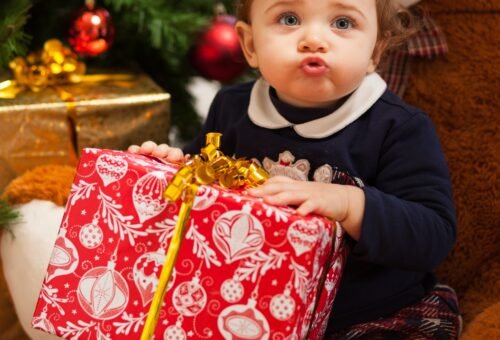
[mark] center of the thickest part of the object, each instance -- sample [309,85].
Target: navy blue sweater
[393,149]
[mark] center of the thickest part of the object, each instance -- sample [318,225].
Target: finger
[161,151]
[274,187]
[306,208]
[147,147]
[134,149]
[286,198]
[175,155]
[280,179]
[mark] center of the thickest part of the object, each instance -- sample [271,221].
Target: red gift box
[245,270]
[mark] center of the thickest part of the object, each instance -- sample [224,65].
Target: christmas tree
[153,35]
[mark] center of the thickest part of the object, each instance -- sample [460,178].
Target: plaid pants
[436,316]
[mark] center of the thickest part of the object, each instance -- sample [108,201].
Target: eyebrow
[279,3]
[344,6]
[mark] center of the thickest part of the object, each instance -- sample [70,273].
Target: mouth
[313,66]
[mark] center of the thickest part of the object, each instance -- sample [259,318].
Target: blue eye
[289,20]
[343,23]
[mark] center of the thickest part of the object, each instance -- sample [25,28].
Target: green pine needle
[8,215]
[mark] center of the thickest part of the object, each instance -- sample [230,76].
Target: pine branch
[13,41]
[7,216]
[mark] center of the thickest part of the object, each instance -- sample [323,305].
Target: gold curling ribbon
[208,167]
[54,65]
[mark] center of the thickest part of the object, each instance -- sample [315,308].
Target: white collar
[262,112]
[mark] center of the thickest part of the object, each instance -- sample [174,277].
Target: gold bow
[210,166]
[54,65]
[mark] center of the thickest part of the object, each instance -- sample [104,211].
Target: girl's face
[313,52]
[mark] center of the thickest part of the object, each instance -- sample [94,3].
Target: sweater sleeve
[409,219]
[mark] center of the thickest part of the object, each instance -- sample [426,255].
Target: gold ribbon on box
[52,66]
[209,167]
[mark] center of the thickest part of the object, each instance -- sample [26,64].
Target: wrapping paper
[40,128]
[245,270]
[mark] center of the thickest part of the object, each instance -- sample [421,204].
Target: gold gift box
[38,128]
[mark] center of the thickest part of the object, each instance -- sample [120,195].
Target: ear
[245,35]
[378,51]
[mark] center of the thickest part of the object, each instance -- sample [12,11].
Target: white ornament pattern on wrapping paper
[74,331]
[82,190]
[205,198]
[280,213]
[146,273]
[117,222]
[102,292]
[300,281]
[174,332]
[243,322]
[43,323]
[232,290]
[189,298]
[111,168]
[147,195]
[303,236]
[201,246]
[238,234]
[109,210]
[259,264]
[91,235]
[164,229]
[49,295]
[307,320]
[64,259]
[282,306]
[130,323]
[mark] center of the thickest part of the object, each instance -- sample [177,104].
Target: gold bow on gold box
[51,109]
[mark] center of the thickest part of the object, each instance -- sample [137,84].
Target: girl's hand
[342,203]
[162,151]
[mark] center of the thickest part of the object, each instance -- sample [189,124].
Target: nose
[312,41]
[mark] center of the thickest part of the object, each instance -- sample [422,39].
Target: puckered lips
[313,66]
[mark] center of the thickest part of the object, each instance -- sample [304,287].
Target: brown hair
[395,23]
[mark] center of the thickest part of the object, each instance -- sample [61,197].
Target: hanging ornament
[111,168]
[217,53]
[232,290]
[303,235]
[282,306]
[205,197]
[243,322]
[91,31]
[146,274]
[43,323]
[147,195]
[91,235]
[64,258]
[238,234]
[189,298]
[175,332]
[103,293]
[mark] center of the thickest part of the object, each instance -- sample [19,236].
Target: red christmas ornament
[91,32]
[217,54]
